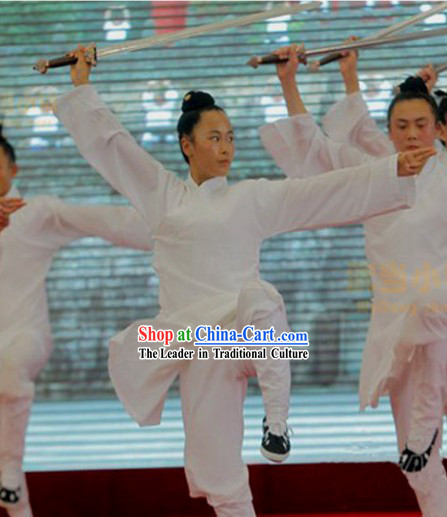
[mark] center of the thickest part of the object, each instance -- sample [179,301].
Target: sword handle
[44,64]
[271,59]
[330,58]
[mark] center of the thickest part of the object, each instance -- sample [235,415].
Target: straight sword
[303,54]
[93,54]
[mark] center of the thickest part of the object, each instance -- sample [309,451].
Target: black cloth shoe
[10,497]
[275,444]
[411,461]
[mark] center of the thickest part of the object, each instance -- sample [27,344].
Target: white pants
[418,401]
[14,414]
[22,356]
[260,305]
[212,394]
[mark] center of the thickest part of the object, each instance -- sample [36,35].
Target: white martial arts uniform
[407,253]
[207,244]
[27,247]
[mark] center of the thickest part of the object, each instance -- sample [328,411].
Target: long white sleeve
[112,151]
[120,225]
[349,121]
[342,197]
[301,150]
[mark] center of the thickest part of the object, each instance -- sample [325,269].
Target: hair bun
[196,100]
[414,84]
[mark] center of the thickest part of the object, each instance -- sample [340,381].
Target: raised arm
[297,144]
[301,150]
[343,197]
[120,225]
[113,152]
[349,121]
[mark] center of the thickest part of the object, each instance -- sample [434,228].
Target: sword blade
[442,6]
[441,68]
[387,31]
[389,40]
[163,39]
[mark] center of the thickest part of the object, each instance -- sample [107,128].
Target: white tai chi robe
[207,244]
[406,250]
[403,260]
[419,395]
[27,246]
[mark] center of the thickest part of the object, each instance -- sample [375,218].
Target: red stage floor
[347,515]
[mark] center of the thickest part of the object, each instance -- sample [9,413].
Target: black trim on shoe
[411,461]
[10,497]
[275,447]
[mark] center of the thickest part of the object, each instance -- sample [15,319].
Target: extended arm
[120,225]
[343,197]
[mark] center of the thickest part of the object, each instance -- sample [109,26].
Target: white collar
[209,186]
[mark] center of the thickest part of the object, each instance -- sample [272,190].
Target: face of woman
[210,149]
[7,172]
[413,125]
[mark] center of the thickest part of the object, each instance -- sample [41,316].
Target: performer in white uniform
[27,247]
[406,350]
[207,242]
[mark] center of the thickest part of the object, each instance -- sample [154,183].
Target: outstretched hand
[7,207]
[410,163]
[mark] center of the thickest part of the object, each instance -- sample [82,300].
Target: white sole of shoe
[277,458]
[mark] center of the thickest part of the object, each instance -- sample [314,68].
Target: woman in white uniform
[207,243]
[27,246]
[406,350]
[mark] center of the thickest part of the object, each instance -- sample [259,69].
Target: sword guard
[43,65]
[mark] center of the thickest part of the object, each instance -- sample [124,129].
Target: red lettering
[142,336]
[169,337]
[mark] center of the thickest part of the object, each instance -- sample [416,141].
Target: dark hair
[413,88]
[442,106]
[193,105]
[7,147]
